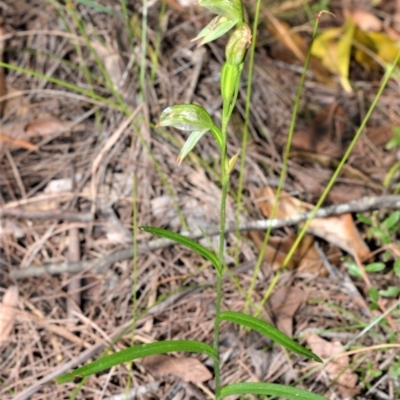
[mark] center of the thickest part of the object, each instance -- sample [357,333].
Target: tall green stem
[225,183]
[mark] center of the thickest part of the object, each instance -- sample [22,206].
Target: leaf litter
[68,132]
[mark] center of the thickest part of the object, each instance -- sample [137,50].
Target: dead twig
[361,205]
[90,352]
[45,215]
[108,145]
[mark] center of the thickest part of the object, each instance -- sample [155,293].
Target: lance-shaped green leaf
[268,389]
[135,352]
[185,241]
[215,29]
[231,9]
[268,330]
[187,117]
[189,144]
[238,43]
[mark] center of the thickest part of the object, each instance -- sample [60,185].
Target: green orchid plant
[195,119]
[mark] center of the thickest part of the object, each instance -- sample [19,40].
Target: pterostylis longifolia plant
[195,119]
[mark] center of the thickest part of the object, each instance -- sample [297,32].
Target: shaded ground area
[82,161]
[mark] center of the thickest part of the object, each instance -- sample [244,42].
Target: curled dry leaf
[186,368]
[339,230]
[305,258]
[366,21]
[297,45]
[112,61]
[284,303]
[337,369]
[16,134]
[7,312]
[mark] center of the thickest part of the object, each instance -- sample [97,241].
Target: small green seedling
[384,232]
[196,120]
[395,141]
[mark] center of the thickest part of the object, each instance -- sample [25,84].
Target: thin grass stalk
[282,177]
[224,192]
[339,168]
[142,74]
[239,206]
[156,63]
[78,49]
[389,72]
[135,256]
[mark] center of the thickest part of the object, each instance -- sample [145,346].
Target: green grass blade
[184,241]
[135,352]
[268,330]
[268,389]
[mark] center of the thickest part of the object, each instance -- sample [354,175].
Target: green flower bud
[187,117]
[230,76]
[238,44]
[231,9]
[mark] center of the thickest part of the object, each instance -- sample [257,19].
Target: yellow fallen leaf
[365,50]
[320,43]
[344,53]
[387,48]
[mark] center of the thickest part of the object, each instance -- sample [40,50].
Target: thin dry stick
[45,215]
[108,145]
[361,205]
[74,285]
[90,352]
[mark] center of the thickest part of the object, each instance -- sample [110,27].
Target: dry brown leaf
[284,303]
[45,127]
[337,369]
[7,312]
[392,33]
[16,103]
[297,46]
[366,21]
[305,258]
[339,231]
[112,61]
[15,143]
[17,133]
[186,368]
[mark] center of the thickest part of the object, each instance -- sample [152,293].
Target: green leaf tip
[185,241]
[135,352]
[268,330]
[268,389]
[191,141]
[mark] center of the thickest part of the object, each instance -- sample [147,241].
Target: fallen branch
[39,214]
[170,301]
[100,266]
